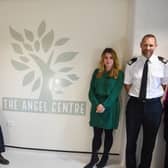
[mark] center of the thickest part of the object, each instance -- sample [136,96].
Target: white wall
[91,26]
[151,17]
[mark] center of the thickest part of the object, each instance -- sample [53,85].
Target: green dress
[105,90]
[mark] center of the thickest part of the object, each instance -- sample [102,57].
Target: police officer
[145,80]
[2,149]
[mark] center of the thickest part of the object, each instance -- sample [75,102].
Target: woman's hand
[100,108]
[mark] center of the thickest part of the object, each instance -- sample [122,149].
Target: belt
[145,100]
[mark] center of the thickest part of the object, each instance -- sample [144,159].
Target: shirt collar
[151,59]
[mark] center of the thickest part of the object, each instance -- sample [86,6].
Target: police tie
[142,93]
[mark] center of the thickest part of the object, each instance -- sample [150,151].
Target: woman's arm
[92,96]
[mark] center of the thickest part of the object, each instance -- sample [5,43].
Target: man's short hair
[149,36]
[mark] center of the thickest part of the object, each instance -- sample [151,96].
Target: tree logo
[40,48]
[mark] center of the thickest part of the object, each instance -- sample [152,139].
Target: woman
[104,92]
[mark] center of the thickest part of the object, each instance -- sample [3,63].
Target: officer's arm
[128,78]
[127,87]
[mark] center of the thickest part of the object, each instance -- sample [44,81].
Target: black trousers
[2,148]
[148,115]
[97,140]
[166,156]
[166,134]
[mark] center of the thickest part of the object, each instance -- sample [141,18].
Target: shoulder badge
[131,61]
[163,60]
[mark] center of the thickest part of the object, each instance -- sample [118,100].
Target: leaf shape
[65,82]
[41,29]
[61,41]
[28,78]
[17,48]
[36,84]
[24,59]
[19,66]
[66,69]
[73,77]
[28,47]
[37,45]
[17,36]
[66,56]
[47,41]
[29,35]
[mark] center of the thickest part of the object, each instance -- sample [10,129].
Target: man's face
[148,46]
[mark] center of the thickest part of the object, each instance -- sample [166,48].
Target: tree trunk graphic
[45,93]
[47,74]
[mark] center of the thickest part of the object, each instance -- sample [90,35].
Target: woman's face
[108,61]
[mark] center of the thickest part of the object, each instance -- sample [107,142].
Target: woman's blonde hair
[115,68]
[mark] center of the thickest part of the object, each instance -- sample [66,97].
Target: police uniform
[144,112]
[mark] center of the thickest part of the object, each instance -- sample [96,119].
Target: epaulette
[163,60]
[131,61]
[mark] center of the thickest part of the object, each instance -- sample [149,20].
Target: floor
[20,158]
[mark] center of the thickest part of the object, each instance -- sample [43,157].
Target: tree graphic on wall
[40,47]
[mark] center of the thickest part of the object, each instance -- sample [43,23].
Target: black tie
[142,93]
